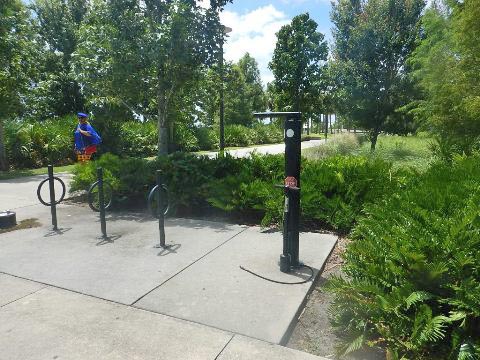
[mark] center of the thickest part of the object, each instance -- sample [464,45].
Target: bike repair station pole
[291,221]
[161,217]
[101,200]
[53,208]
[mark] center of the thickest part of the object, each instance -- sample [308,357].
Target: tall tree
[57,92]
[297,64]
[238,100]
[243,93]
[248,66]
[17,63]
[447,69]
[373,39]
[142,53]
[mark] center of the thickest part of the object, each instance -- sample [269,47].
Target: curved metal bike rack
[91,197]
[151,197]
[39,189]
[53,203]
[100,184]
[162,206]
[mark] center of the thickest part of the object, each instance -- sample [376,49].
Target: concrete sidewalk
[21,192]
[71,294]
[41,322]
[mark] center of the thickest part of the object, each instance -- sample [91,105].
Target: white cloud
[254,32]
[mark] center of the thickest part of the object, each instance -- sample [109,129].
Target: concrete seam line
[221,351]
[114,302]
[22,297]
[65,289]
[186,267]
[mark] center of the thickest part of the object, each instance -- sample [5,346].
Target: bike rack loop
[102,207]
[51,184]
[160,211]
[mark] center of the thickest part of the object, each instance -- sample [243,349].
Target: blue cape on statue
[82,141]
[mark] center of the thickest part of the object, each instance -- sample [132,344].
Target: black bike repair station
[291,220]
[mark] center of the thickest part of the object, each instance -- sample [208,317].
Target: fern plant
[412,281]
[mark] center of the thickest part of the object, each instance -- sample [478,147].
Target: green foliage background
[445,68]
[31,144]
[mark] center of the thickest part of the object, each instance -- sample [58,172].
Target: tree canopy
[447,70]
[297,64]
[143,53]
[18,50]
[56,92]
[373,39]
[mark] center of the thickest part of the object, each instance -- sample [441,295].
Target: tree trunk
[373,140]
[163,128]
[331,128]
[326,126]
[308,126]
[3,154]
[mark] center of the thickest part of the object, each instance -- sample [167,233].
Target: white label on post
[290,133]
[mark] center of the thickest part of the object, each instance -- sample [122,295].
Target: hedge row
[333,191]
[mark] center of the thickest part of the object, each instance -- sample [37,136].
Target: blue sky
[255,22]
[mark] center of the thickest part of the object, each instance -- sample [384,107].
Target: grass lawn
[410,151]
[4,175]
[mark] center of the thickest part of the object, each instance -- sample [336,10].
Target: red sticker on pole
[290,181]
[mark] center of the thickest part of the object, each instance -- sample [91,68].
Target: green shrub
[85,174]
[185,139]
[35,144]
[247,185]
[413,269]
[334,191]
[185,175]
[208,138]
[138,139]
[267,134]
[239,135]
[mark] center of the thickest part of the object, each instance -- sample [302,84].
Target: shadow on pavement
[108,240]
[59,231]
[168,249]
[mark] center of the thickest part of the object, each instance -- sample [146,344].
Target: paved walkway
[70,294]
[265,149]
